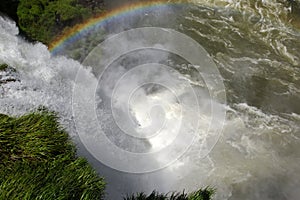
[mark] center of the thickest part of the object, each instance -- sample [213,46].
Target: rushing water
[257,53]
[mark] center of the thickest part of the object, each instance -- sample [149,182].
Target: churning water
[257,53]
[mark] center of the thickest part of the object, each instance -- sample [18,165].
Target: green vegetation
[37,161]
[202,194]
[3,67]
[42,20]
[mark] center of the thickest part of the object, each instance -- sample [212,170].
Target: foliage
[201,194]
[44,19]
[37,161]
[3,67]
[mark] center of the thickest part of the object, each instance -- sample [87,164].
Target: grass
[201,194]
[38,161]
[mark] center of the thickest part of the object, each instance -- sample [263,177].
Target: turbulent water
[257,52]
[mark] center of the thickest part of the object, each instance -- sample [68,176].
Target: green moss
[38,161]
[3,67]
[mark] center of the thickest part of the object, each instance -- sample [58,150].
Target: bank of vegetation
[38,161]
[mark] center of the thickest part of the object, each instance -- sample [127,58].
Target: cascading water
[257,54]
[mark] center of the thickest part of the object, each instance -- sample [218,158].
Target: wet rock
[8,74]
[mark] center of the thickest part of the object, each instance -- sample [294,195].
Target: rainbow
[78,30]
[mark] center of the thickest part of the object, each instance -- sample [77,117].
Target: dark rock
[8,74]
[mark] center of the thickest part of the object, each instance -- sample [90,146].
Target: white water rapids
[256,157]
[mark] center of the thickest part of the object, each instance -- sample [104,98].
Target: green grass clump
[201,194]
[3,67]
[38,161]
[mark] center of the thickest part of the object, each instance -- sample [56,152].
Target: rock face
[295,5]
[7,74]
[9,7]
